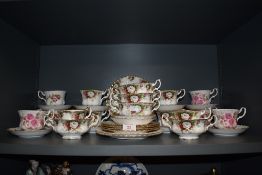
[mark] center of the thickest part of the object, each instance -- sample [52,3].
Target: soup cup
[128,80]
[171,97]
[133,109]
[188,129]
[228,118]
[183,114]
[73,123]
[137,98]
[137,88]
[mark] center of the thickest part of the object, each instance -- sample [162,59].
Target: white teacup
[171,97]
[54,97]
[32,119]
[228,118]
[201,97]
[93,97]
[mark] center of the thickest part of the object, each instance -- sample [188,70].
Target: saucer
[128,134]
[55,107]
[95,108]
[228,132]
[121,165]
[29,134]
[170,107]
[201,107]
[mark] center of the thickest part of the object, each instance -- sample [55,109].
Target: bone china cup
[73,123]
[32,119]
[93,97]
[128,80]
[55,97]
[201,97]
[228,118]
[171,97]
[188,129]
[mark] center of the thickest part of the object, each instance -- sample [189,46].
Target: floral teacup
[227,118]
[188,129]
[32,119]
[171,97]
[55,97]
[201,97]
[137,88]
[93,97]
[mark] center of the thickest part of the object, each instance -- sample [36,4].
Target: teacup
[188,129]
[133,109]
[32,119]
[171,97]
[73,123]
[137,98]
[228,118]
[54,97]
[137,88]
[201,97]
[93,97]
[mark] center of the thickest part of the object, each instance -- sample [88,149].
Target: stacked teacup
[94,98]
[188,124]
[201,99]
[133,101]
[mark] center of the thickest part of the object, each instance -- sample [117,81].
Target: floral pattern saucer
[29,134]
[94,108]
[228,132]
[55,107]
[201,107]
[163,108]
[128,134]
[121,166]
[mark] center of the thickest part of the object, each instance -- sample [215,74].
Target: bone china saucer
[29,134]
[201,107]
[55,107]
[228,132]
[163,108]
[94,108]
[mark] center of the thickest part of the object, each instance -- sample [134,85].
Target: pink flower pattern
[32,122]
[228,121]
[199,99]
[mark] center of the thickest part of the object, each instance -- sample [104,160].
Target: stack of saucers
[132,104]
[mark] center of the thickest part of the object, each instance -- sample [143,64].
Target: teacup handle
[244,110]
[39,93]
[105,116]
[105,95]
[158,81]
[89,111]
[49,121]
[181,94]
[94,121]
[156,94]
[212,123]
[210,113]
[156,105]
[166,121]
[213,94]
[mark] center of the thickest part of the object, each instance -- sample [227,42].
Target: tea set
[131,103]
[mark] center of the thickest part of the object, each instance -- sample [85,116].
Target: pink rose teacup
[201,97]
[32,119]
[228,118]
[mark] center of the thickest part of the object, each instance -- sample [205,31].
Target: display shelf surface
[162,145]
